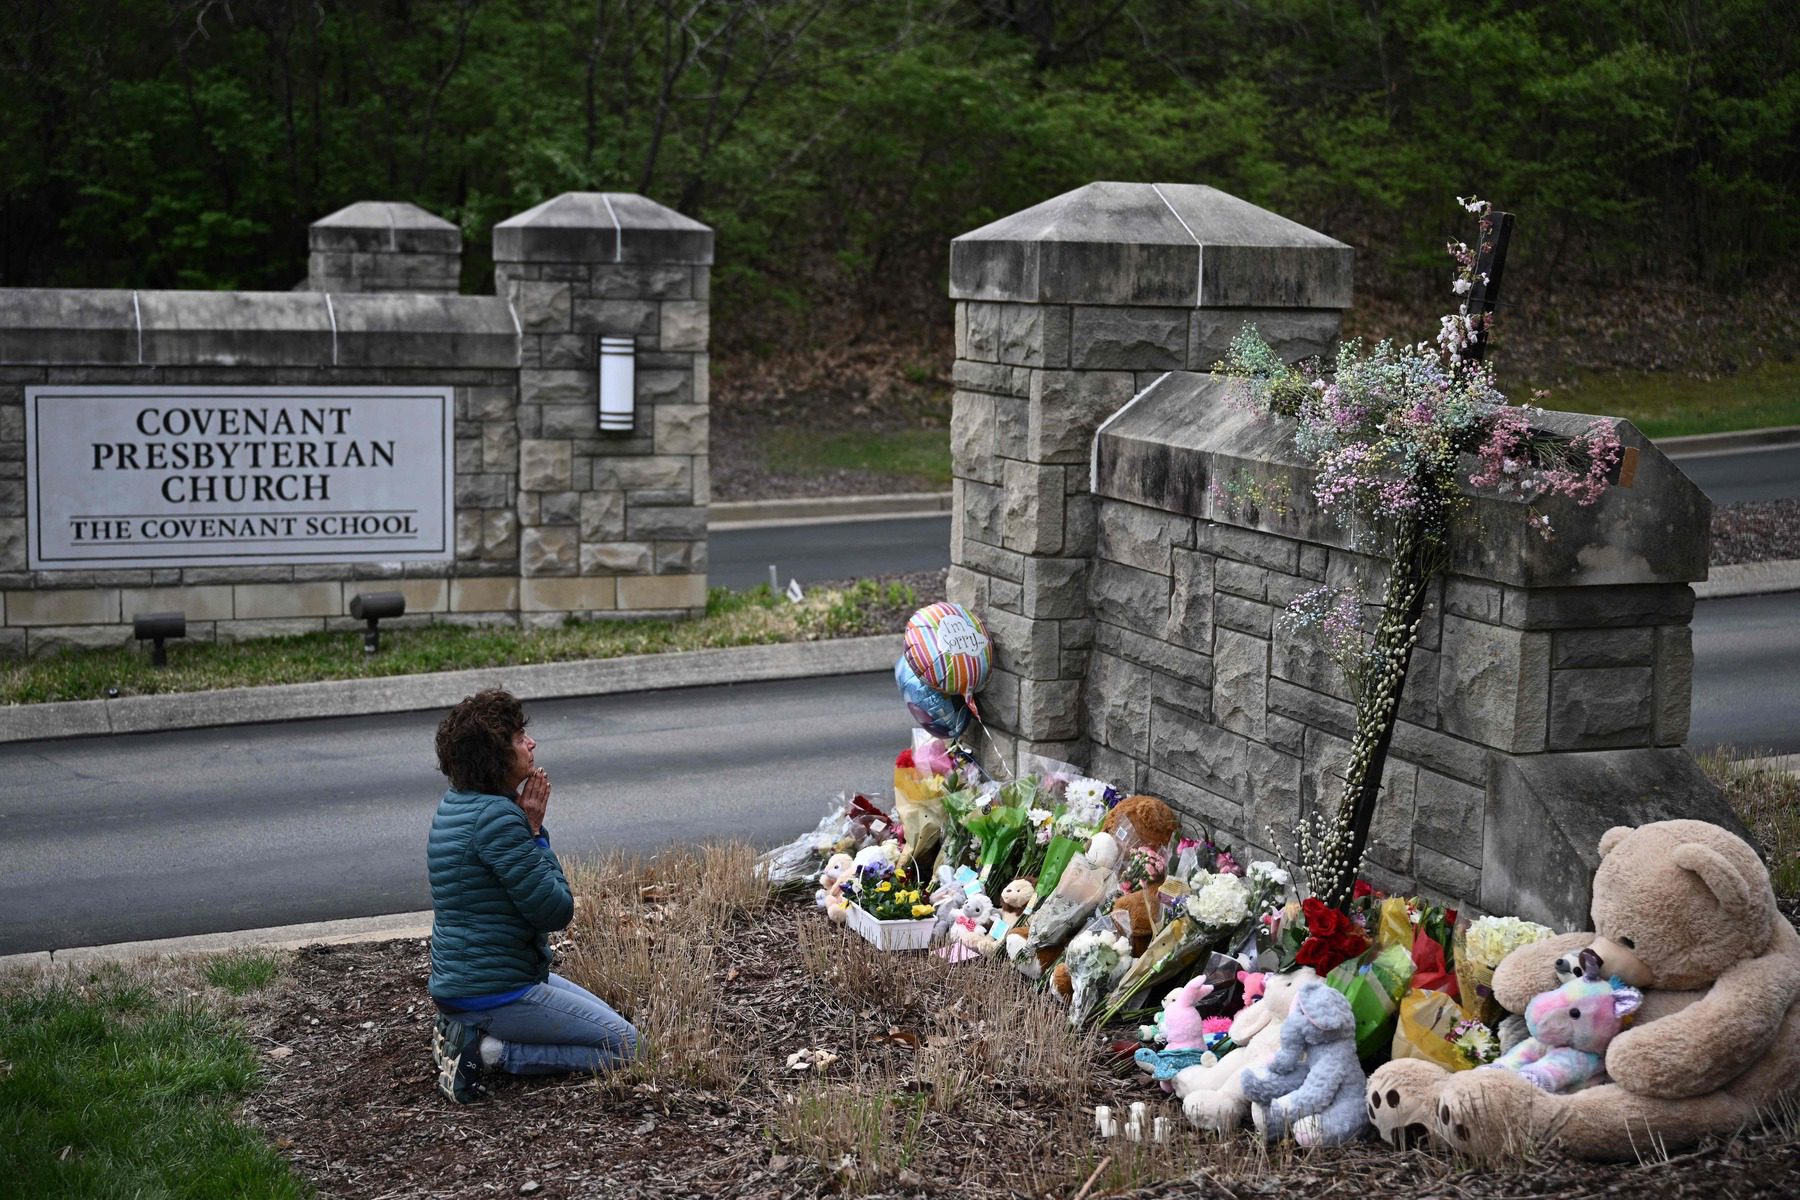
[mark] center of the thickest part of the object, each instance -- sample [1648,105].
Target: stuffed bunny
[1212,1094]
[1184,1033]
[1314,1074]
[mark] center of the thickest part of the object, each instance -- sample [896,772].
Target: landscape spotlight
[618,384]
[158,628]
[372,607]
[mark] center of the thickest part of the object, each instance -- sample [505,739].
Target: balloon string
[999,758]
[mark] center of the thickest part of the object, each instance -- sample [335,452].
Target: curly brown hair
[475,741]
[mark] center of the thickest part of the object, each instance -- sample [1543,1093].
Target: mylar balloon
[939,715]
[949,649]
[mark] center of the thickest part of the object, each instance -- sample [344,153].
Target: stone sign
[245,476]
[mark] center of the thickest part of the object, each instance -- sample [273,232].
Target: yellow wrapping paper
[1395,928]
[1476,983]
[919,804]
[1426,1022]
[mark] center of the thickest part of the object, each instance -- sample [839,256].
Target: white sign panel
[246,476]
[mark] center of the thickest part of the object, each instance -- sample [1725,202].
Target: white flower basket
[891,935]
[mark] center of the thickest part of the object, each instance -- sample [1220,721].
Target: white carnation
[1222,902]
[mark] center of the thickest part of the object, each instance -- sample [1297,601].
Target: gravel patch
[1755,531]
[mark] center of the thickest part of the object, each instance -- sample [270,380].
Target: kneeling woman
[497,892]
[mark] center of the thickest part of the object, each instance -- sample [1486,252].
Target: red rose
[904,759]
[1362,888]
[1331,937]
[1449,918]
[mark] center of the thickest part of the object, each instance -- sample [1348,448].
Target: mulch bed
[1755,531]
[351,1103]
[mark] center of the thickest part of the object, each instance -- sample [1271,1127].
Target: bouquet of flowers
[888,892]
[1079,818]
[1217,910]
[1001,824]
[1094,960]
[1480,947]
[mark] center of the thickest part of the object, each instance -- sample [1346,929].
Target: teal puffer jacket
[496,895]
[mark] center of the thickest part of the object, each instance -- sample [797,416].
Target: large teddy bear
[1683,911]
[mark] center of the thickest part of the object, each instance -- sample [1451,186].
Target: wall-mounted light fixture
[618,384]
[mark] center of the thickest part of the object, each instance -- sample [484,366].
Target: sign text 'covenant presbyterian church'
[200,476]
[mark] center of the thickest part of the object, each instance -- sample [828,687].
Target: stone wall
[552,518]
[610,522]
[1133,568]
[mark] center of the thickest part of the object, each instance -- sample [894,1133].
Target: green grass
[241,971]
[1767,800]
[754,617]
[1663,404]
[106,1090]
[918,454]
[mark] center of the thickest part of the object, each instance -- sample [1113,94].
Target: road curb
[750,514]
[411,693]
[1750,579]
[275,937]
[1737,439]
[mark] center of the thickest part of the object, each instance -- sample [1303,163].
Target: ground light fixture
[157,628]
[374,607]
[618,384]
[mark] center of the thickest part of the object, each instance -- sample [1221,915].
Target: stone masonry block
[602,517]
[652,523]
[652,592]
[1066,408]
[641,281]
[1448,816]
[1240,683]
[1118,704]
[12,544]
[1617,605]
[639,319]
[1080,525]
[540,307]
[537,386]
[1473,599]
[681,428]
[499,533]
[545,466]
[1141,537]
[1294,334]
[1220,812]
[616,558]
[982,511]
[568,420]
[686,326]
[1602,708]
[500,446]
[549,550]
[1253,546]
[1494,684]
[1049,709]
[71,606]
[1002,564]
[974,450]
[1152,339]
[995,379]
[1241,579]
[1023,647]
[1674,683]
[252,601]
[1448,879]
[1055,588]
[1603,648]
[1176,662]
[598,593]
[1034,508]
[1122,595]
[559,508]
[1245,616]
[199,603]
[491,594]
[1190,599]
[1025,335]
[1264,781]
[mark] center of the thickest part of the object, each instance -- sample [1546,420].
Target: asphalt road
[161,835]
[740,558]
[1747,673]
[1733,476]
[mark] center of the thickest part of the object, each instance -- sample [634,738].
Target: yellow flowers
[884,886]
[921,910]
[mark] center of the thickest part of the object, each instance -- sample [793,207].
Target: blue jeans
[558,1026]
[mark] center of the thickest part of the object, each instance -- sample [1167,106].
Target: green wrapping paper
[1056,860]
[999,829]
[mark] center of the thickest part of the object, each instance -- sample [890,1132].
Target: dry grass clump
[1767,799]
[864,1137]
[645,938]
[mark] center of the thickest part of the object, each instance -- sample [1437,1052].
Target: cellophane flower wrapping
[1094,959]
[1481,945]
[998,828]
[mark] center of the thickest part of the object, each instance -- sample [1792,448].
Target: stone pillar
[1065,312]
[383,246]
[611,523]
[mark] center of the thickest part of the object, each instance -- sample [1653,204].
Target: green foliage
[106,1091]
[241,971]
[918,454]
[837,146]
[1662,404]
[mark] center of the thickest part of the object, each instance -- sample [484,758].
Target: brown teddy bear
[1152,822]
[1684,911]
